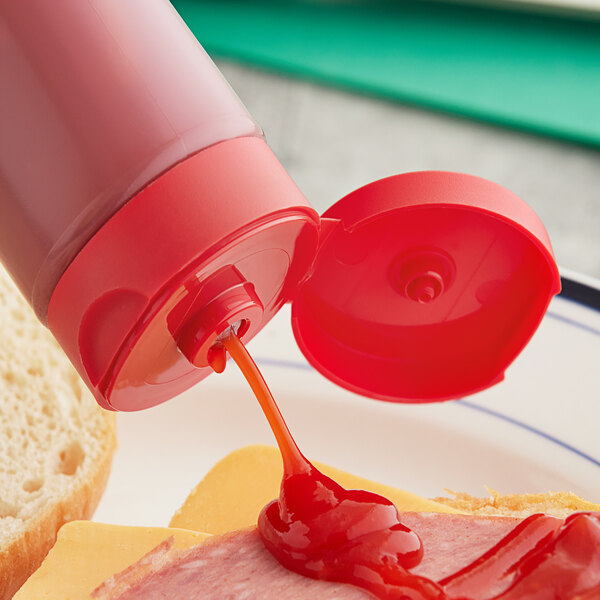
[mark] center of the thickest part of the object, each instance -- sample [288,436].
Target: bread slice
[56,443]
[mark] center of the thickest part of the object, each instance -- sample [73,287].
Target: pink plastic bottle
[142,214]
[104,104]
[98,99]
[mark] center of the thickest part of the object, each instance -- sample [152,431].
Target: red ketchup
[321,530]
[543,558]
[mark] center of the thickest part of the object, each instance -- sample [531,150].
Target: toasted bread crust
[557,504]
[24,555]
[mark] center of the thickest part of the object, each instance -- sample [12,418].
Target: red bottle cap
[426,287]
[218,241]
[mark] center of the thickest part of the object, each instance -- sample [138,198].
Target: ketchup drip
[321,530]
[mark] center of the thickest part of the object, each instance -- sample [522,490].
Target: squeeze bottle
[142,214]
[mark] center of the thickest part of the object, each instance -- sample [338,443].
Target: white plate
[536,431]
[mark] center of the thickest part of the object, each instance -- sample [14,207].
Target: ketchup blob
[321,530]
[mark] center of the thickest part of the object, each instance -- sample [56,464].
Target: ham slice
[237,566]
[234,566]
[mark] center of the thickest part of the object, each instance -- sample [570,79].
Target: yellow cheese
[236,489]
[87,553]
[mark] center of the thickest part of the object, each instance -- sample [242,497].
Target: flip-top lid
[426,287]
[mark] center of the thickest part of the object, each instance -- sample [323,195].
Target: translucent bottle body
[98,99]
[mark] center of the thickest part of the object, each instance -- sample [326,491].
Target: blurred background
[351,91]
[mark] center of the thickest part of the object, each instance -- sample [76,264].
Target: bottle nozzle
[225,303]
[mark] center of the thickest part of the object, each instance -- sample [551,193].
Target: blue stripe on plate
[586,293]
[289,364]
[530,428]
[573,322]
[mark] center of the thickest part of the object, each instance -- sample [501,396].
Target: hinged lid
[426,287]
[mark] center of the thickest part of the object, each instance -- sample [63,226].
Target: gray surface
[332,142]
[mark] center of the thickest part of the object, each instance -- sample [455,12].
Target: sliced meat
[451,542]
[233,566]
[237,566]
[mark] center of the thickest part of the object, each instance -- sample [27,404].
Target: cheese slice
[86,554]
[237,488]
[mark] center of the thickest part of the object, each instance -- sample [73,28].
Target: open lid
[426,287]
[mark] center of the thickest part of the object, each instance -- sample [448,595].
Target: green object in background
[531,71]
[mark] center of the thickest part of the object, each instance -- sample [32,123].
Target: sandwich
[212,550]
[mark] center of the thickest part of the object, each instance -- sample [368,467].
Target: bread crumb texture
[56,444]
[558,504]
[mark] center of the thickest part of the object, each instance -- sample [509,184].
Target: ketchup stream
[321,530]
